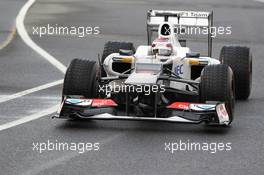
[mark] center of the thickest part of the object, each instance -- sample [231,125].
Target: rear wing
[180,18]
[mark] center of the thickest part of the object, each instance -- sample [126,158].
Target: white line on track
[29,118]
[9,38]
[25,37]
[29,91]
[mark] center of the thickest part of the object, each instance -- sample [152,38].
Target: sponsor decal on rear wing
[184,18]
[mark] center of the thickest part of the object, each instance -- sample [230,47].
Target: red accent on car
[169,45]
[179,105]
[103,103]
[223,111]
[161,39]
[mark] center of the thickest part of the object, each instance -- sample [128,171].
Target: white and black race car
[161,81]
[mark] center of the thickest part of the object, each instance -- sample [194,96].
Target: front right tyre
[81,78]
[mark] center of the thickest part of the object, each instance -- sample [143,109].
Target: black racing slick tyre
[81,78]
[114,47]
[240,60]
[217,84]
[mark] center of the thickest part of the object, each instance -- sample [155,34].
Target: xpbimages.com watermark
[80,147]
[79,31]
[199,30]
[213,147]
[123,88]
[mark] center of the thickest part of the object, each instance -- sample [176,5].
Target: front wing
[178,112]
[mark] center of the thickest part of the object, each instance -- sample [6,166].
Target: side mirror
[126,52]
[192,55]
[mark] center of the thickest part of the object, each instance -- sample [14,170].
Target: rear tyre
[114,47]
[81,78]
[217,84]
[240,60]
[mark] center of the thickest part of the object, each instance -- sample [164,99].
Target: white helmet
[162,47]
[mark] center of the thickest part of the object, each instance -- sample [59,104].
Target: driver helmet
[161,47]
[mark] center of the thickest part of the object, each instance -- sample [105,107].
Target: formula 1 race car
[161,81]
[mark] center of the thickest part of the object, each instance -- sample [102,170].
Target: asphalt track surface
[125,147]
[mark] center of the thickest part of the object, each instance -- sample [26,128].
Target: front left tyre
[240,60]
[217,84]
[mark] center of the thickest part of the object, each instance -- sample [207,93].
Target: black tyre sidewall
[81,79]
[218,87]
[240,60]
